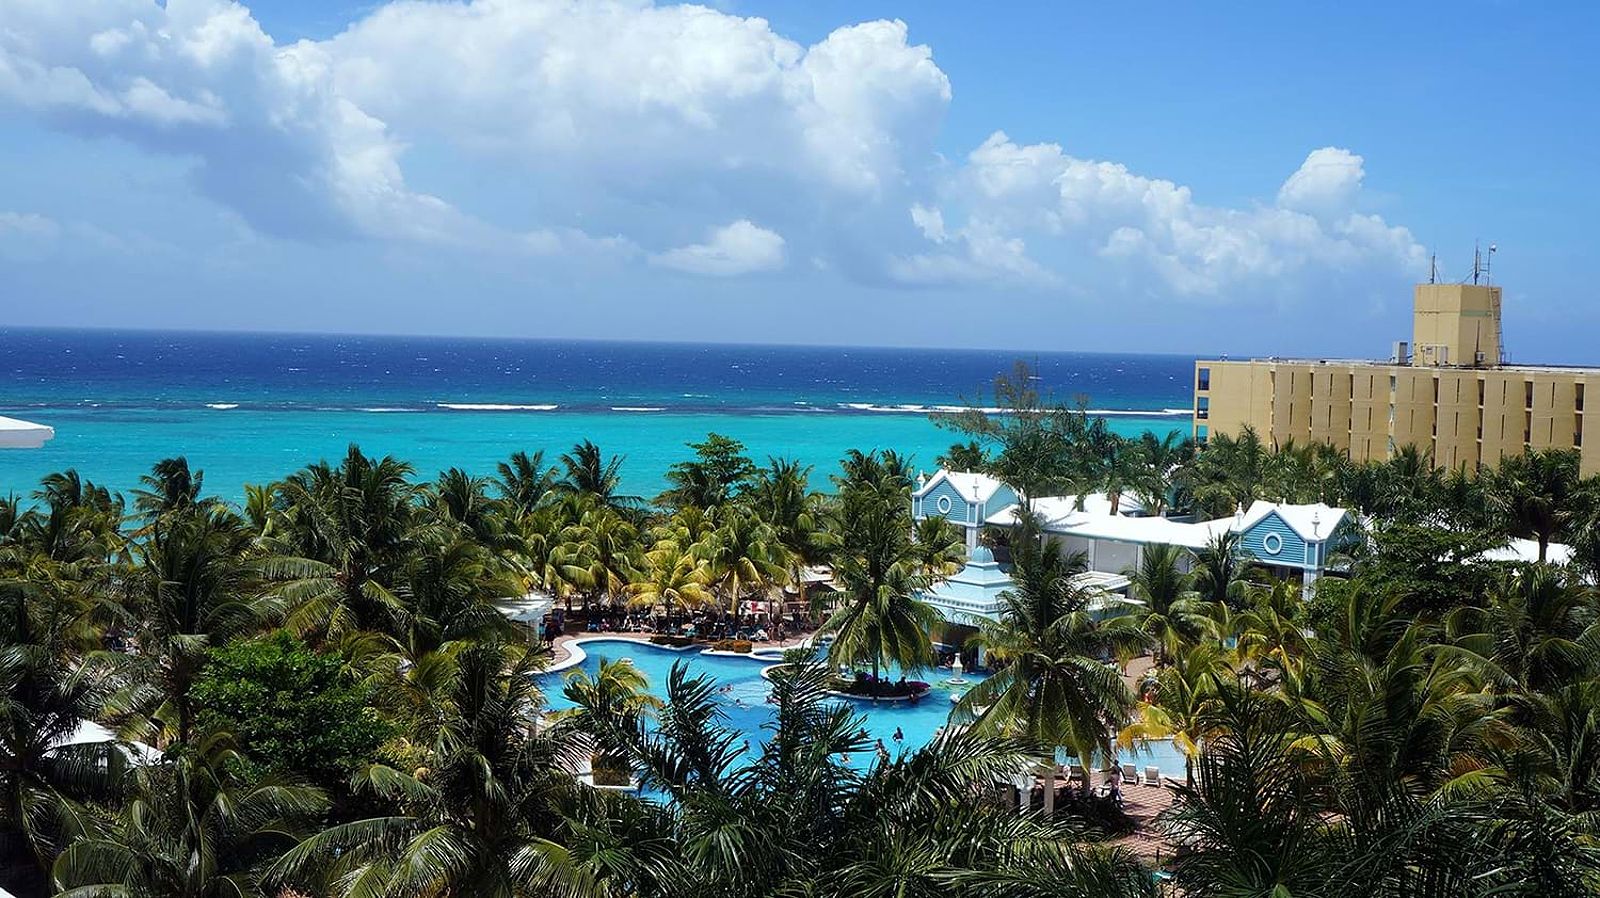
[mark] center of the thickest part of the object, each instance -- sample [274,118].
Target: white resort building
[1292,542]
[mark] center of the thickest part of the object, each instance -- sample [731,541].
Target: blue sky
[1253,177]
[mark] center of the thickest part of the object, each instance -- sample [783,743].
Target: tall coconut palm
[169,487]
[670,578]
[1054,683]
[597,554]
[743,557]
[194,587]
[193,827]
[1171,612]
[348,531]
[1538,631]
[1534,494]
[879,570]
[479,816]
[463,500]
[780,496]
[525,481]
[1161,461]
[1221,569]
[939,546]
[46,775]
[589,472]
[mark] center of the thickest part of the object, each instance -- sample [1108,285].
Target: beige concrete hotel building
[1446,392]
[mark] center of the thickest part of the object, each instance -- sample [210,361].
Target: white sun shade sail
[18,434]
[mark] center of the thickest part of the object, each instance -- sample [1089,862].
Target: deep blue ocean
[251,408]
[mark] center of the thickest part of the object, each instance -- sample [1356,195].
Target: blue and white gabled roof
[972,486]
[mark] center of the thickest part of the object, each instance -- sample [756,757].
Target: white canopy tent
[18,434]
[528,609]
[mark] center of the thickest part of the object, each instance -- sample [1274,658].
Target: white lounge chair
[1130,774]
[1152,777]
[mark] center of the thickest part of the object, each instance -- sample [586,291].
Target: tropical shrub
[296,711]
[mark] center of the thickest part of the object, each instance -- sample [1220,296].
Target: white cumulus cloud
[741,247]
[593,129]
[1067,205]
[27,224]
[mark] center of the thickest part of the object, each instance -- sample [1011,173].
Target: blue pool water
[743,698]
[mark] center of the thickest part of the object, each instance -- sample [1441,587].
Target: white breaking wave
[222,406]
[496,407]
[915,409]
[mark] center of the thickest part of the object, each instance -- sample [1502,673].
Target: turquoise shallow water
[241,446]
[743,701]
[253,407]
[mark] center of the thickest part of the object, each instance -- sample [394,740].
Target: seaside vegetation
[315,693]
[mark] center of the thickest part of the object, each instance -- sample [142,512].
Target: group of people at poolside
[1080,789]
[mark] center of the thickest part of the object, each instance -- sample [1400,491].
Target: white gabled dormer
[963,498]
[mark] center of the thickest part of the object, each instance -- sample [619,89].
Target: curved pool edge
[577,654]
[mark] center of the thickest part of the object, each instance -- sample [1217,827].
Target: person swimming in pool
[899,735]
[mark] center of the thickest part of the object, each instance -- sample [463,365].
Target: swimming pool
[743,697]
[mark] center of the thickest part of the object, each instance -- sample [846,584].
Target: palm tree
[525,481]
[463,500]
[597,553]
[480,813]
[616,692]
[671,577]
[1171,614]
[450,593]
[169,487]
[1220,569]
[586,471]
[45,775]
[939,547]
[1181,704]
[779,495]
[880,570]
[1161,467]
[1054,683]
[348,530]
[192,828]
[1537,632]
[1534,493]
[743,557]
[193,588]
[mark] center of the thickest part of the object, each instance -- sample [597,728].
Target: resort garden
[317,692]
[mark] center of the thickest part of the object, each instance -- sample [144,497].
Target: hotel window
[1529,402]
[1203,379]
[1577,395]
[1201,432]
[1481,387]
[1203,408]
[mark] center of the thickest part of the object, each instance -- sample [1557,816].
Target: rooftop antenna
[1433,268]
[1481,262]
